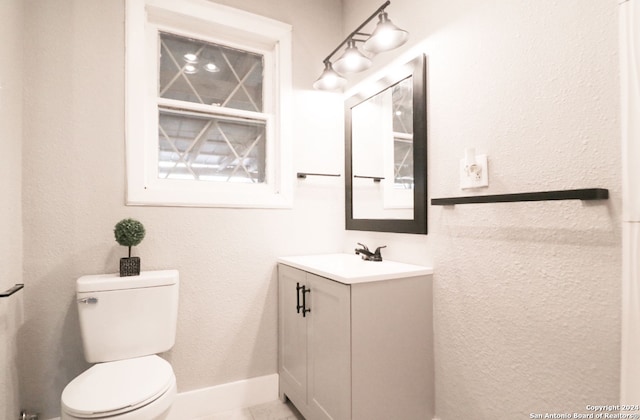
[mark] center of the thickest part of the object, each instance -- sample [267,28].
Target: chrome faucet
[368,255]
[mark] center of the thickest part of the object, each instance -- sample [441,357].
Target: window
[207,106]
[207,146]
[402,106]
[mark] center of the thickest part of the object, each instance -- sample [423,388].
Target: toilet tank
[125,317]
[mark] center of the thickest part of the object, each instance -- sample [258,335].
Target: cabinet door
[293,336]
[329,393]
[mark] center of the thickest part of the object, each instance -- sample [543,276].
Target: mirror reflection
[386,153]
[382,148]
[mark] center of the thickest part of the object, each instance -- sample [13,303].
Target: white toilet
[124,322]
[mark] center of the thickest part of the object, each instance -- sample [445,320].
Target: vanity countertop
[352,269]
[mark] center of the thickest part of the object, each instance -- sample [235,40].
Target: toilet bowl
[124,323]
[133,389]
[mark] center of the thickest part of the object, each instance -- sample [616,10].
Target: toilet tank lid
[105,282]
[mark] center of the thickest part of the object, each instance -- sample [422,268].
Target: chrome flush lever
[89,300]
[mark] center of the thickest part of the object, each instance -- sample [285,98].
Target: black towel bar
[305,174]
[581,194]
[11,291]
[375,178]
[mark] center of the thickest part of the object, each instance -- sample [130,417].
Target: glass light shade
[352,60]
[190,69]
[211,67]
[329,79]
[190,58]
[386,36]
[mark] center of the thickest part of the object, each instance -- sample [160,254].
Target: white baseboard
[230,396]
[204,402]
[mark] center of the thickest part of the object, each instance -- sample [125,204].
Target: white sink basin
[352,269]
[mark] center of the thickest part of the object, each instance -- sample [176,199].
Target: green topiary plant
[129,232]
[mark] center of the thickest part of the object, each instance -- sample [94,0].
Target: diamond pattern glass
[211,148]
[206,73]
[402,98]
[207,146]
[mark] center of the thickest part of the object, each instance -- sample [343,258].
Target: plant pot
[129,266]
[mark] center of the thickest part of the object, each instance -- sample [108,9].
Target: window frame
[210,22]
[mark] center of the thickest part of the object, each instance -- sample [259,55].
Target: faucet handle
[377,256]
[363,246]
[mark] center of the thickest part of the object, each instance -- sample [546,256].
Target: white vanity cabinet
[314,346]
[355,338]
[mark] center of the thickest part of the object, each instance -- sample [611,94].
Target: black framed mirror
[386,153]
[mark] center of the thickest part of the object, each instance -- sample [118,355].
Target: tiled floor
[275,410]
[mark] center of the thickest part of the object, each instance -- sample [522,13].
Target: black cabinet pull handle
[304,301]
[298,288]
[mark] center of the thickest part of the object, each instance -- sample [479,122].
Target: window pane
[211,148]
[402,98]
[211,74]
[403,162]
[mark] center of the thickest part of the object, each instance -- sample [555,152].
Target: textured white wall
[74,188]
[11,17]
[527,296]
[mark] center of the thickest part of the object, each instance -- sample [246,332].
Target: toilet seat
[114,388]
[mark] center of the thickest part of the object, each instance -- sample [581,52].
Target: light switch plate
[471,180]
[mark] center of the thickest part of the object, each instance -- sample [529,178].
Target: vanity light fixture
[385,37]
[192,59]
